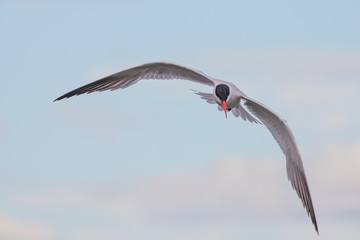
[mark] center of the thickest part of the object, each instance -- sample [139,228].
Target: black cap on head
[222,91]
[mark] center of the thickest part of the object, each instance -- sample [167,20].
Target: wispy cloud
[230,190]
[338,179]
[12,228]
[219,191]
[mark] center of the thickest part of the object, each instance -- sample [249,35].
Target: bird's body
[229,98]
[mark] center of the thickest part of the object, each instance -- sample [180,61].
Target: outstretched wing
[284,137]
[126,78]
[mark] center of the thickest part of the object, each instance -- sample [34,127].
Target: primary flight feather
[229,98]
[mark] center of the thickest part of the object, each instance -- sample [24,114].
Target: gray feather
[281,132]
[126,78]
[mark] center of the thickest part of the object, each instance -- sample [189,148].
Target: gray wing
[284,137]
[208,97]
[239,111]
[126,78]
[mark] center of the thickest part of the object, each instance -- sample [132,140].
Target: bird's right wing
[208,97]
[126,78]
[284,137]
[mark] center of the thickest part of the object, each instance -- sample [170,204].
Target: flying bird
[229,99]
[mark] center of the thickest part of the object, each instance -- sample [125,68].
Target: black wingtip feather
[59,98]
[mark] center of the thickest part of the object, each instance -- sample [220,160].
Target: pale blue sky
[155,161]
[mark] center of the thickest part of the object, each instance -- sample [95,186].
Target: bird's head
[222,91]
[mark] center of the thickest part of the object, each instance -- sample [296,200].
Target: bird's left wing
[126,78]
[284,137]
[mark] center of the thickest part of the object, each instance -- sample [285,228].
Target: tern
[229,98]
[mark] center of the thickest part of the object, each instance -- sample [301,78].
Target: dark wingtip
[313,219]
[316,228]
[67,95]
[59,98]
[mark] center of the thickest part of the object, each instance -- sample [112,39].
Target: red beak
[223,104]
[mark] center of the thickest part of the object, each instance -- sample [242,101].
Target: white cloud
[337,178]
[19,229]
[232,190]
[222,190]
